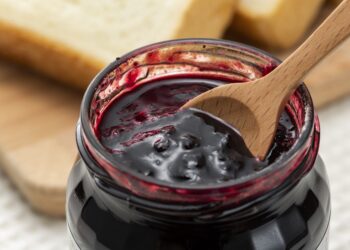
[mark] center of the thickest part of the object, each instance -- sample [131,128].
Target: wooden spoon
[254,108]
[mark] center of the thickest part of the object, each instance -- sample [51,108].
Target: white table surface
[23,229]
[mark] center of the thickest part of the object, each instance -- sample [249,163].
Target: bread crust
[43,55]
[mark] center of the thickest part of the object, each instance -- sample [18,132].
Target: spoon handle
[330,33]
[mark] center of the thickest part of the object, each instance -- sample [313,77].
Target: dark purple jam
[146,131]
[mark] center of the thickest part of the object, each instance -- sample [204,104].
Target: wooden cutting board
[38,119]
[37,144]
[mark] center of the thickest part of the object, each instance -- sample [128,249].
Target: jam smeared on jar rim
[145,131]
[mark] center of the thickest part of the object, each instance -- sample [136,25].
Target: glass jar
[284,206]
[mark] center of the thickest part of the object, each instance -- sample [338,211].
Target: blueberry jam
[145,130]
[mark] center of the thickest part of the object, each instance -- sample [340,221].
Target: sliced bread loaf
[275,23]
[71,40]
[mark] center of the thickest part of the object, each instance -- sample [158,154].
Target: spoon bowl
[239,109]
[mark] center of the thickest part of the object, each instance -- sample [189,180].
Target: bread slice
[275,23]
[71,40]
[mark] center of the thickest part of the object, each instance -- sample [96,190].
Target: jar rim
[91,138]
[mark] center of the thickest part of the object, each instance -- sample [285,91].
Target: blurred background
[50,51]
